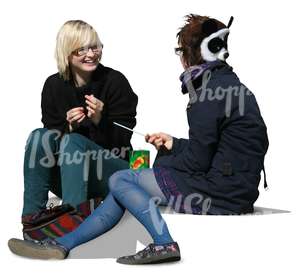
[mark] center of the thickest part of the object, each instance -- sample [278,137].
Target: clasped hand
[94,108]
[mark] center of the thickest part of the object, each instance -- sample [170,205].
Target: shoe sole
[31,250]
[166,259]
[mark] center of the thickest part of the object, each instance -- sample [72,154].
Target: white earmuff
[214,47]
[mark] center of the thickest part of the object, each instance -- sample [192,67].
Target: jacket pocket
[229,167]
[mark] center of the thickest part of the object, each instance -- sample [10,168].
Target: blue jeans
[72,167]
[136,191]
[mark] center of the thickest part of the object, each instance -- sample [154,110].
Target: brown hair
[190,37]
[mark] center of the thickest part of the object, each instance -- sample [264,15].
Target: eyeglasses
[85,49]
[178,51]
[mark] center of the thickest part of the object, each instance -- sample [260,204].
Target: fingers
[81,119]
[152,138]
[91,99]
[94,108]
[158,142]
[70,112]
[76,117]
[155,140]
[94,103]
[91,110]
[75,111]
[91,105]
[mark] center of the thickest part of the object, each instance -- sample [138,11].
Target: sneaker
[47,249]
[153,254]
[27,237]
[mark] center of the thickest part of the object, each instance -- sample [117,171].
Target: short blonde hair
[71,36]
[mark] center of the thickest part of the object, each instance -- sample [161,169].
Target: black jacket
[108,85]
[224,155]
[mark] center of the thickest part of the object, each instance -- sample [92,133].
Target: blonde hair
[71,36]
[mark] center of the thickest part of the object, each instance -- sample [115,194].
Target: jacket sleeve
[196,153]
[51,117]
[178,145]
[120,107]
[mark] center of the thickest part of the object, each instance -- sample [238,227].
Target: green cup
[139,159]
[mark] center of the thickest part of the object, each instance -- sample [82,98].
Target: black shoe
[47,249]
[153,254]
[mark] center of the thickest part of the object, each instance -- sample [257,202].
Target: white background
[139,37]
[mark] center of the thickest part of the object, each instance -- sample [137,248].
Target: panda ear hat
[214,46]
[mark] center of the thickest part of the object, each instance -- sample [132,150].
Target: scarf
[190,78]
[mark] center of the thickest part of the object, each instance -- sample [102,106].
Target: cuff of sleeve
[163,151]
[175,145]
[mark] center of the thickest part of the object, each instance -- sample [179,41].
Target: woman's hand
[74,117]
[160,139]
[94,107]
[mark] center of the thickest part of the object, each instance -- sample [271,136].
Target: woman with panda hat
[220,163]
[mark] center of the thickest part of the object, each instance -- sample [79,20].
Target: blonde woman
[79,104]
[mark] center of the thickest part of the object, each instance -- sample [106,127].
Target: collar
[192,77]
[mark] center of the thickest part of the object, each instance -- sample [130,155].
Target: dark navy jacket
[224,155]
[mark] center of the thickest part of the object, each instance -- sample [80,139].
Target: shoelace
[47,242]
[52,242]
[146,250]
